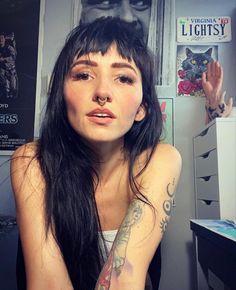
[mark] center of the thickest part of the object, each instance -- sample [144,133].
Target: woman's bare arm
[142,229]
[45,268]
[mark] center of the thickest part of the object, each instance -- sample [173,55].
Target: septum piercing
[101,101]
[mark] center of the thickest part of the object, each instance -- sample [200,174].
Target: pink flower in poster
[186,87]
[181,73]
[198,84]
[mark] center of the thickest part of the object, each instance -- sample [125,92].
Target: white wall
[178,269]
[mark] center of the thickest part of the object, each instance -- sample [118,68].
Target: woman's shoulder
[165,164]
[24,157]
[26,150]
[163,154]
[166,152]
[166,157]
[25,169]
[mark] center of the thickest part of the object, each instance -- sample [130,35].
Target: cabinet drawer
[206,141]
[207,187]
[208,209]
[206,165]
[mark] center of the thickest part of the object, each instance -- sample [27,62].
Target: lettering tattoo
[167,205]
[117,256]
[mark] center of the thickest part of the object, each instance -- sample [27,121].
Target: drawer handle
[204,132]
[208,202]
[206,178]
[206,155]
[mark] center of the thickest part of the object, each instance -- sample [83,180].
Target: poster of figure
[191,62]
[19,33]
[167,110]
[152,20]
[8,74]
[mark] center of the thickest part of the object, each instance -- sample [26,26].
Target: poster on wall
[204,29]
[19,33]
[167,110]
[191,62]
[153,22]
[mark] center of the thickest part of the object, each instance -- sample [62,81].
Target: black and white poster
[19,34]
[153,19]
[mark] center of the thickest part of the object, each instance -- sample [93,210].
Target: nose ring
[101,101]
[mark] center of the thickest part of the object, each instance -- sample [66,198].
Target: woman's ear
[141,113]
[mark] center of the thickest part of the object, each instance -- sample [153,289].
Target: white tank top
[109,237]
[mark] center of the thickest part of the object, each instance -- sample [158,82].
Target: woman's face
[103,95]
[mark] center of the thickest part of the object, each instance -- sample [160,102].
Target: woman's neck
[111,156]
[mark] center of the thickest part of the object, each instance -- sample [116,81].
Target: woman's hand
[212,80]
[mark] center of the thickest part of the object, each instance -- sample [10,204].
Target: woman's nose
[103,91]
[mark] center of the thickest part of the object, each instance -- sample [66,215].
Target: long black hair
[68,163]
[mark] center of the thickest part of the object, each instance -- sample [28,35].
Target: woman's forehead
[112,51]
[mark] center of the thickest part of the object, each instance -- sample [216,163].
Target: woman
[97,172]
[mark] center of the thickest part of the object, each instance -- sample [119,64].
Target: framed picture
[167,109]
[192,61]
[153,20]
[20,38]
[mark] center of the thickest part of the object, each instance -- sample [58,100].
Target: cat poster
[191,62]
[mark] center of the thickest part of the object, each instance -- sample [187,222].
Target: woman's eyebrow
[123,65]
[84,62]
[94,64]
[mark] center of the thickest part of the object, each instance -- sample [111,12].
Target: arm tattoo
[117,256]
[167,204]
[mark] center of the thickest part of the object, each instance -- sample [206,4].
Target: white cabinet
[215,170]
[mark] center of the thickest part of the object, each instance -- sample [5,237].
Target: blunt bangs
[95,37]
[100,35]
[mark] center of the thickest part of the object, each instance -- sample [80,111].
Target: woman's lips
[101,116]
[101,113]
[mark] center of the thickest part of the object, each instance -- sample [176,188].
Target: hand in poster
[212,81]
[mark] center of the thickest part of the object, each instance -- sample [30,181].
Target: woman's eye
[81,76]
[126,80]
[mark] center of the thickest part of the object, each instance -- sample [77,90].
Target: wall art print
[204,29]
[19,34]
[191,62]
[153,21]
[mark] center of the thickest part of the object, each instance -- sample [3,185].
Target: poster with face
[151,18]
[19,33]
